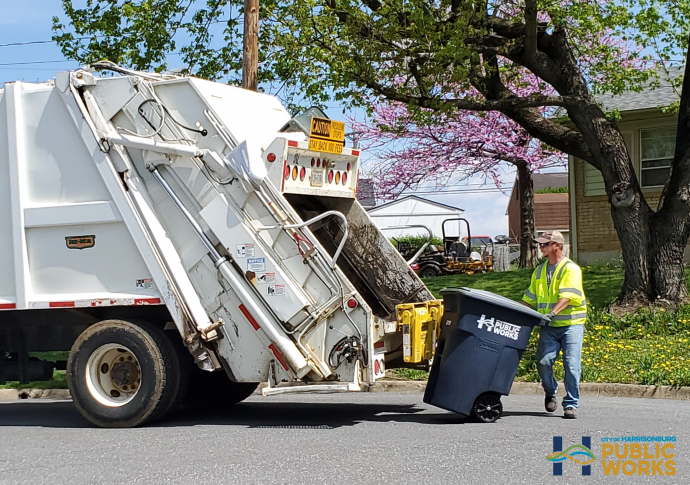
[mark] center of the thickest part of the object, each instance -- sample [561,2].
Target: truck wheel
[429,271]
[487,408]
[214,390]
[122,374]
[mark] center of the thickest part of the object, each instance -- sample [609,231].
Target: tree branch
[531,119]
[468,104]
[530,30]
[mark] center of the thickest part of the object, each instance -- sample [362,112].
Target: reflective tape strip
[530,295]
[96,303]
[279,356]
[546,305]
[249,317]
[563,269]
[540,268]
[570,290]
[572,316]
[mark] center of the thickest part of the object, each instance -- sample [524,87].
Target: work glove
[546,319]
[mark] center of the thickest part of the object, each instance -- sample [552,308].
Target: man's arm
[561,304]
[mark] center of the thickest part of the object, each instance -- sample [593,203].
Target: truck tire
[214,390]
[122,374]
[429,271]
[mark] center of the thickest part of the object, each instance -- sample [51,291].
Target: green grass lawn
[601,283]
[649,347]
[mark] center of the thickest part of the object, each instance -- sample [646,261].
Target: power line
[34,62]
[34,42]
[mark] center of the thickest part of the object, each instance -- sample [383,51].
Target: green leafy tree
[430,55]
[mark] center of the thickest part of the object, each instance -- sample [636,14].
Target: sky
[31,22]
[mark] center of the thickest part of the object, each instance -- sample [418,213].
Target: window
[657,147]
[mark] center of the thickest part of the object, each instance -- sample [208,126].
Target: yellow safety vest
[565,283]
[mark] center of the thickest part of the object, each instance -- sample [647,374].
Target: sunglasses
[543,245]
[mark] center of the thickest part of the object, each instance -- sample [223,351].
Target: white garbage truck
[186,240]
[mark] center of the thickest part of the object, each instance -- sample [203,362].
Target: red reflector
[330,176]
[271,157]
[287,172]
[249,317]
[355,153]
[313,162]
[302,173]
[352,303]
[279,356]
[61,304]
[377,369]
[318,162]
[337,177]
[145,301]
[292,143]
[349,166]
[414,266]
[380,344]
[344,177]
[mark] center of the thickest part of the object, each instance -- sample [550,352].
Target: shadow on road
[277,415]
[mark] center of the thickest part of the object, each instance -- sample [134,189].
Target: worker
[556,291]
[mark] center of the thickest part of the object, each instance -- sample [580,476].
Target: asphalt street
[335,438]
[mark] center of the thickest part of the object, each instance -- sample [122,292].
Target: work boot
[570,413]
[550,404]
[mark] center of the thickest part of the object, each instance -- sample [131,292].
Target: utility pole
[250,54]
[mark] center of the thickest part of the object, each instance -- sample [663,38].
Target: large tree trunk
[528,252]
[632,216]
[652,243]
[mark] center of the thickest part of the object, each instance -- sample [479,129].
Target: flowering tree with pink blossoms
[451,146]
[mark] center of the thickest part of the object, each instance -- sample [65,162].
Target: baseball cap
[551,236]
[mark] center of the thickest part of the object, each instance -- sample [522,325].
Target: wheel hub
[124,374]
[113,375]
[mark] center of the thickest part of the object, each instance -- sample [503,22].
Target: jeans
[551,341]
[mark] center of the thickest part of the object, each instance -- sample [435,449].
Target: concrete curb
[592,389]
[8,395]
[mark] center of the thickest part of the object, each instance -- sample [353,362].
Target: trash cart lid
[494,299]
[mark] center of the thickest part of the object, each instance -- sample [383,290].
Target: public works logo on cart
[499,327]
[579,454]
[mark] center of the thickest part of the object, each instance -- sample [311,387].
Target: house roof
[421,199]
[544,180]
[649,97]
[365,193]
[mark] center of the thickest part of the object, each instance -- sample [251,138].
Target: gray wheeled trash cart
[482,339]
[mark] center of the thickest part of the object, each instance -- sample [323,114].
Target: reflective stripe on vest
[572,316]
[570,290]
[547,295]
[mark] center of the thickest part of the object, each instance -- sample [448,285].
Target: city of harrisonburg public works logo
[580,454]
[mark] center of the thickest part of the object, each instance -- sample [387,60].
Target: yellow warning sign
[326,135]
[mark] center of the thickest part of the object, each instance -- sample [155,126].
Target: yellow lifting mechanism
[420,323]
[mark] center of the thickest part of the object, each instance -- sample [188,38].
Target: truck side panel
[7,289]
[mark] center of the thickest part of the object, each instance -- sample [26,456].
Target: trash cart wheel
[487,408]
